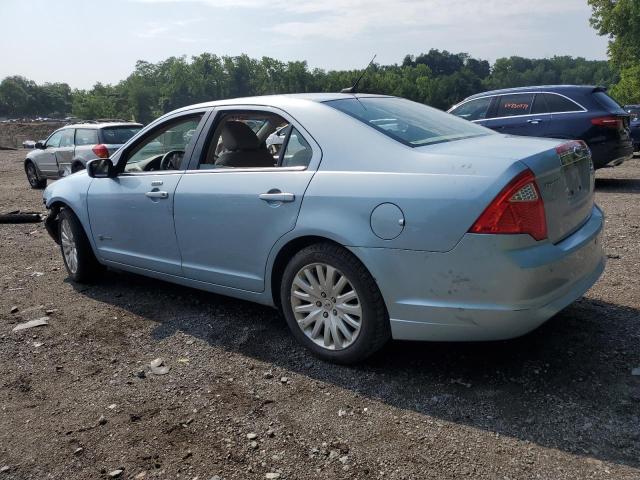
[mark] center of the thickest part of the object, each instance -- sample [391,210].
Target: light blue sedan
[376,218]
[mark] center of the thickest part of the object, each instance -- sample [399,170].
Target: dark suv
[561,111]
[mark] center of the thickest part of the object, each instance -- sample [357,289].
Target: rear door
[228,219]
[511,116]
[562,113]
[64,154]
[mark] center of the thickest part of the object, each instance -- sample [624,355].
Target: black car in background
[634,111]
[558,111]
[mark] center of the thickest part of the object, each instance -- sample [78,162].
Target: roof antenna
[353,88]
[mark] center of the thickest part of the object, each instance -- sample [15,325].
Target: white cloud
[156,29]
[341,19]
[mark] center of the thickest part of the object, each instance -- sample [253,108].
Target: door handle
[157,194]
[277,197]
[534,121]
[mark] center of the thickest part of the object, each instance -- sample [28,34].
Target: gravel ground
[242,400]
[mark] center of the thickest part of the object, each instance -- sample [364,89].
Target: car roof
[547,88]
[102,125]
[281,100]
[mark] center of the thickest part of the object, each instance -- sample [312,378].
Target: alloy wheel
[326,306]
[69,248]
[32,176]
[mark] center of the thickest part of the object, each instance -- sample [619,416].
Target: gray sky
[84,41]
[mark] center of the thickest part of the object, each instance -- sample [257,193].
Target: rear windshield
[410,123]
[608,103]
[118,135]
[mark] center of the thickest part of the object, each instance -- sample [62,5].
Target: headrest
[238,136]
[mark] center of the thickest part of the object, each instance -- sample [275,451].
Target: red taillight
[518,208]
[608,122]
[101,151]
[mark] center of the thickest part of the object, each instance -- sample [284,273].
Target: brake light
[608,122]
[101,151]
[518,208]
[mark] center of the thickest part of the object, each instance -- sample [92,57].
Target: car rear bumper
[611,153]
[489,287]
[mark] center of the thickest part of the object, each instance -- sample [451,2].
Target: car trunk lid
[565,177]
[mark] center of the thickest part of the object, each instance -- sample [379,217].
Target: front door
[234,204]
[131,215]
[46,159]
[64,154]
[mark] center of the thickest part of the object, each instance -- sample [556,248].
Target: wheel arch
[287,251]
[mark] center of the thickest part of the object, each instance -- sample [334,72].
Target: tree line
[436,78]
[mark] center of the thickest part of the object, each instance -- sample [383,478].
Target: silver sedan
[377,218]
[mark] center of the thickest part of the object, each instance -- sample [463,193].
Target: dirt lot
[74,402]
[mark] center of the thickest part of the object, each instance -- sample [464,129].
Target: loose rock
[39,322]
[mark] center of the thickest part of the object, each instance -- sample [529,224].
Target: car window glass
[513,105]
[118,135]
[298,152]
[67,138]
[85,136]
[245,139]
[540,104]
[473,110]
[54,141]
[559,104]
[164,149]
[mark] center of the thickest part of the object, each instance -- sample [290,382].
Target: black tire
[33,177]
[374,328]
[76,167]
[87,269]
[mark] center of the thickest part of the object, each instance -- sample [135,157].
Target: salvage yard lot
[243,400]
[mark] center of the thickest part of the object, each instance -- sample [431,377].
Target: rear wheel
[81,263]
[32,176]
[332,304]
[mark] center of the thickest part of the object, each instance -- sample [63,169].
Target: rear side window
[607,102]
[513,105]
[118,135]
[85,136]
[473,110]
[554,104]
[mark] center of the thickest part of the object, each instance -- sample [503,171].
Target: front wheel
[333,305]
[32,176]
[81,263]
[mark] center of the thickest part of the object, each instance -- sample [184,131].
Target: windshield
[410,123]
[118,135]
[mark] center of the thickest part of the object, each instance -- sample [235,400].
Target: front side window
[54,140]
[514,105]
[407,122]
[164,149]
[254,139]
[86,136]
[474,109]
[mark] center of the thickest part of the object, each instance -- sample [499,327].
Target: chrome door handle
[534,121]
[157,194]
[277,197]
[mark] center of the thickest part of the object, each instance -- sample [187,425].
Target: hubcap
[69,249]
[31,174]
[326,306]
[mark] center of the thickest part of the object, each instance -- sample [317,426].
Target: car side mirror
[40,145]
[101,168]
